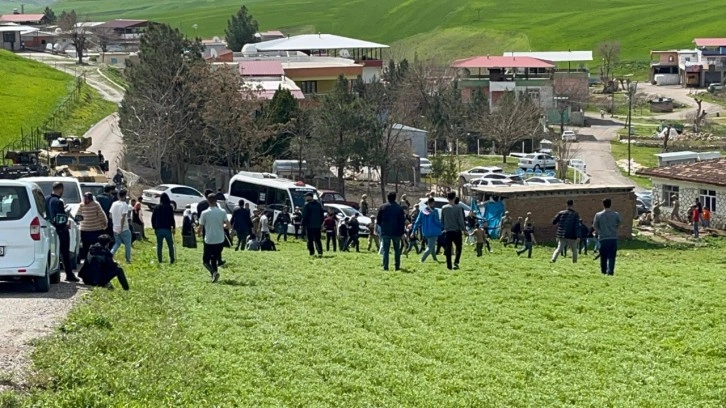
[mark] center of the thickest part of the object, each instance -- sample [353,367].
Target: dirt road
[678,94]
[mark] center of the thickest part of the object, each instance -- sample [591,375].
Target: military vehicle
[67,157]
[25,163]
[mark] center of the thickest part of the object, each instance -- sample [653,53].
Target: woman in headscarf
[188,238]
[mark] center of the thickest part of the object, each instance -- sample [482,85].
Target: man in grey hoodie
[452,217]
[606,224]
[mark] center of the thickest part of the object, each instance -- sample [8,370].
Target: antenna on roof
[320,35]
[487,56]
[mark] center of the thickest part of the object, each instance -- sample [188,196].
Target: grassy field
[282,329]
[91,109]
[451,29]
[30,91]
[116,75]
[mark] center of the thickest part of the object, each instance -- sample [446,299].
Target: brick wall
[544,209]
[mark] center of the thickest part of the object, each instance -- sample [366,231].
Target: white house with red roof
[495,75]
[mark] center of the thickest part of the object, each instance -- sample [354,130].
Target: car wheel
[42,284]
[173,206]
[537,167]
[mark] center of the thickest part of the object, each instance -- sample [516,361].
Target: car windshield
[554,181]
[162,187]
[93,189]
[71,193]
[440,204]
[298,195]
[348,211]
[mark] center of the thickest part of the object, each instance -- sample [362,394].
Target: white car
[72,198]
[341,211]
[29,246]
[426,166]
[569,136]
[578,164]
[486,182]
[537,161]
[180,196]
[507,178]
[478,172]
[439,203]
[543,181]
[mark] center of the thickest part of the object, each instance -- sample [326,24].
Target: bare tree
[699,117]
[104,36]
[515,118]
[609,52]
[74,28]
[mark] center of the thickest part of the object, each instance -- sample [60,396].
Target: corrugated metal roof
[502,62]
[710,42]
[123,23]
[552,188]
[554,56]
[24,29]
[261,68]
[315,42]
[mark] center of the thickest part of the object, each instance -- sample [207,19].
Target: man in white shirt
[213,221]
[120,211]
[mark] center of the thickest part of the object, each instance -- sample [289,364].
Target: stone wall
[687,194]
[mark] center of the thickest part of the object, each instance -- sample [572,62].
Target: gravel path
[27,315]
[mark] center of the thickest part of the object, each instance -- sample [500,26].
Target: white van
[72,198]
[269,191]
[29,246]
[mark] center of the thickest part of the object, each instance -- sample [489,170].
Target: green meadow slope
[446,29]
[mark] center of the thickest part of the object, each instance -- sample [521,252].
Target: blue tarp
[493,212]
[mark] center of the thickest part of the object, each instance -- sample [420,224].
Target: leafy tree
[515,118]
[76,32]
[280,111]
[241,29]
[50,15]
[160,115]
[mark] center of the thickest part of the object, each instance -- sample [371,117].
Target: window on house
[309,87]
[534,94]
[670,194]
[708,199]
[9,37]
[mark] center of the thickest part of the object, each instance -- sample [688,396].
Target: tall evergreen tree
[241,29]
[50,15]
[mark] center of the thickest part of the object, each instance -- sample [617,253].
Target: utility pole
[632,88]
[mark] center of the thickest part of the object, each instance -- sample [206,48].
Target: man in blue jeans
[606,225]
[392,220]
[120,213]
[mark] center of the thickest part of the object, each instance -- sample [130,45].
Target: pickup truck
[334,197]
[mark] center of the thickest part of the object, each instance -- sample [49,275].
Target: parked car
[334,197]
[569,136]
[543,181]
[646,197]
[94,188]
[440,202]
[478,172]
[341,211]
[180,196]
[641,207]
[195,216]
[72,199]
[29,245]
[426,166]
[537,161]
[578,164]
[507,178]
[485,182]
[715,88]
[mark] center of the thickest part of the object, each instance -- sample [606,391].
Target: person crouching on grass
[100,268]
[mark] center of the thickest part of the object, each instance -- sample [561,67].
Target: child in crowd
[481,238]
[252,243]
[343,235]
[410,240]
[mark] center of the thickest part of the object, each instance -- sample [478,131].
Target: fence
[34,137]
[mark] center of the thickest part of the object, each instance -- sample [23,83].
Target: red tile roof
[21,18]
[704,172]
[710,42]
[502,62]
[261,68]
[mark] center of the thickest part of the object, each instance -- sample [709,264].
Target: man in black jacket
[100,267]
[59,218]
[282,221]
[312,222]
[568,226]
[242,224]
[105,200]
[392,220]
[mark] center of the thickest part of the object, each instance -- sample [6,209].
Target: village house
[35,20]
[315,61]
[126,34]
[698,67]
[266,77]
[703,180]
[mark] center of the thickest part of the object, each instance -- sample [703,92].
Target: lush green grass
[446,29]
[116,75]
[90,109]
[30,91]
[282,329]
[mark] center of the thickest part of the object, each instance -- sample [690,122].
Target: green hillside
[446,29]
[28,94]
